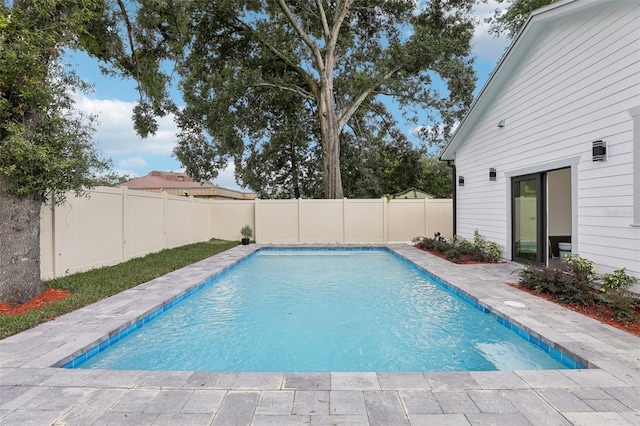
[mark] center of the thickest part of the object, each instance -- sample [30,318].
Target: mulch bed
[598,312]
[50,295]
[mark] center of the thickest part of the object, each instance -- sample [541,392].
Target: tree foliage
[239,62]
[511,19]
[436,177]
[45,146]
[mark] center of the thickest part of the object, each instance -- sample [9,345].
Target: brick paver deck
[34,392]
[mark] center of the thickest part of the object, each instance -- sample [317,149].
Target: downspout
[451,164]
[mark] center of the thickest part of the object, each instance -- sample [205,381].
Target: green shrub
[492,251]
[583,269]
[623,306]
[557,280]
[614,288]
[459,249]
[574,281]
[617,282]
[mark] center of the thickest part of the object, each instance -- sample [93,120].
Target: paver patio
[34,392]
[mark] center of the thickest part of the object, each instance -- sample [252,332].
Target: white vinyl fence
[116,224]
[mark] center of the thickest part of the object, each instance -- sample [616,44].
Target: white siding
[579,77]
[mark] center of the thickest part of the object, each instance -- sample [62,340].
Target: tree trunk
[19,248]
[330,134]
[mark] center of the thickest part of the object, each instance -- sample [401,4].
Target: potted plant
[246,232]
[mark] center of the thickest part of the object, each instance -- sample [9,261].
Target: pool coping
[613,356]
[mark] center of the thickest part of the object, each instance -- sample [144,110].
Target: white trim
[635,113]
[571,162]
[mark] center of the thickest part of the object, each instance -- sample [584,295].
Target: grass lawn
[89,287]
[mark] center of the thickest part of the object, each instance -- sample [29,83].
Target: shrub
[574,282]
[557,280]
[492,251]
[617,282]
[459,249]
[614,294]
[583,269]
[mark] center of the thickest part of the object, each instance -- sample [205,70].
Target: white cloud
[132,162]
[226,178]
[115,135]
[486,46]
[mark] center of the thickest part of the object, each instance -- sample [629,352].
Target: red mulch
[48,296]
[597,312]
[466,260]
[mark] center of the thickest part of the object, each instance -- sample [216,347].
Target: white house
[550,150]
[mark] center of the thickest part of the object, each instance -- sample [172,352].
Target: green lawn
[91,286]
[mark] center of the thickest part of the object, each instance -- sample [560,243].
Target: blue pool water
[332,310]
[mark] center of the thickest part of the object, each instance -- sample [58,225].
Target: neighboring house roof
[533,28]
[413,193]
[177,183]
[165,180]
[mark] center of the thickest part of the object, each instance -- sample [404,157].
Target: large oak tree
[236,61]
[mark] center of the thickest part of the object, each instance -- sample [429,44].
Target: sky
[113,100]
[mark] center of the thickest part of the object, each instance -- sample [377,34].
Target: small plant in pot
[246,232]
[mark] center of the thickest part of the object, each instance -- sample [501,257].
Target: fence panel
[115,225]
[439,218]
[321,221]
[87,232]
[202,229]
[364,221]
[406,219]
[229,216]
[145,218]
[179,221]
[277,221]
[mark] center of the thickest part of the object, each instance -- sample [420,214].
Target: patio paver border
[606,393]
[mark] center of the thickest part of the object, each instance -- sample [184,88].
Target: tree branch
[127,21]
[335,31]
[305,75]
[295,89]
[323,19]
[397,95]
[312,46]
[346,115]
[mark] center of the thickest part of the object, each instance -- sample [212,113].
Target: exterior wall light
[501,123]
[599,150]
[492,174]
[461,181]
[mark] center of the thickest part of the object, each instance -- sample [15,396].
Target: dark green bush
[459,249]
[575,282]
[558,280]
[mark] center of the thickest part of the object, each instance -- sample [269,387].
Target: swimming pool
[323,310]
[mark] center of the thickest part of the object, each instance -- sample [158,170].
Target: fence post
[165,207]
[344,219]
[385,219]
[194,225]
[426,217]
[124,194]
[255,218]
[299,219]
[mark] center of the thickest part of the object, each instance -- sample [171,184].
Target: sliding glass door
[528,218]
